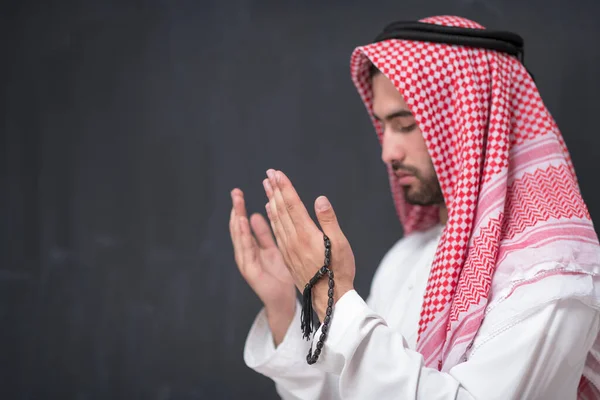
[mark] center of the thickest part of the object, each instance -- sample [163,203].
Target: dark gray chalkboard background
[124,126]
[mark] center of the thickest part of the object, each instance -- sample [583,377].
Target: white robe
[523,350]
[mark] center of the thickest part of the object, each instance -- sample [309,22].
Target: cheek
[418,147]
[426,164]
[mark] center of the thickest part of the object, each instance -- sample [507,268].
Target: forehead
[386,98]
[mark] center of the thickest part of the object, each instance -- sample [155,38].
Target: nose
[391,149]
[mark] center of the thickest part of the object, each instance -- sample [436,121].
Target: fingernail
[270,173]
[278,176]
[323,204]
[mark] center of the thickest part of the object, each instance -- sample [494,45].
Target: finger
[247,244]
[277,233]
[327,218]
[237,198]
[262,231]
[272,211]
[275,225]
[268,188]
[279,209]
[235,237]
[231,223]
[238,209]
[293,204]
[270,215]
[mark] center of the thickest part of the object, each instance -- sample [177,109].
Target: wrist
[280,316]
[321,297]
[281,308]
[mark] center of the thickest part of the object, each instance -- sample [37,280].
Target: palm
[273,265]
[257,255]
[267,273]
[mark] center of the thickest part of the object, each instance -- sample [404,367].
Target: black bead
[311,358]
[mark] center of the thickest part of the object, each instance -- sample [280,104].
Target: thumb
[326,217]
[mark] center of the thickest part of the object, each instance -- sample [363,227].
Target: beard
[425,192]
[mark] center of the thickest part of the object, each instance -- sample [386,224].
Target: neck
[443,214]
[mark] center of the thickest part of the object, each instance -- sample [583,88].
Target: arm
[262,266]
[286,364]
[540,354]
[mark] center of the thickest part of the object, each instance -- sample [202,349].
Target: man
[493,292]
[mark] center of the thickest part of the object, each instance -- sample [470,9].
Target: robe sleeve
[538,353]
[286,365]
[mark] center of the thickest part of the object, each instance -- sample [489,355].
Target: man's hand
[262,266]
[301,241]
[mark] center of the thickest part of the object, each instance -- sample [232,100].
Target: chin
[412,196]
[423,194]
[418,198]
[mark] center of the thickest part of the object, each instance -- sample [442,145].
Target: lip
[405,179]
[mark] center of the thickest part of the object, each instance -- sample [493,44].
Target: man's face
[403,145]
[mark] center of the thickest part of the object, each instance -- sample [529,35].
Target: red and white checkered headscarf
[515,213]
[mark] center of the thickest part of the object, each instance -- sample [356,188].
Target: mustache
[397,166]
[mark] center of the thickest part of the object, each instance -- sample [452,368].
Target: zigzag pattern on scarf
[529,203]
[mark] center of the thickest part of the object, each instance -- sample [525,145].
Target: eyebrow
[396,114]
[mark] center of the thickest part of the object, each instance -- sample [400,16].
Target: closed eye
[407,129]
